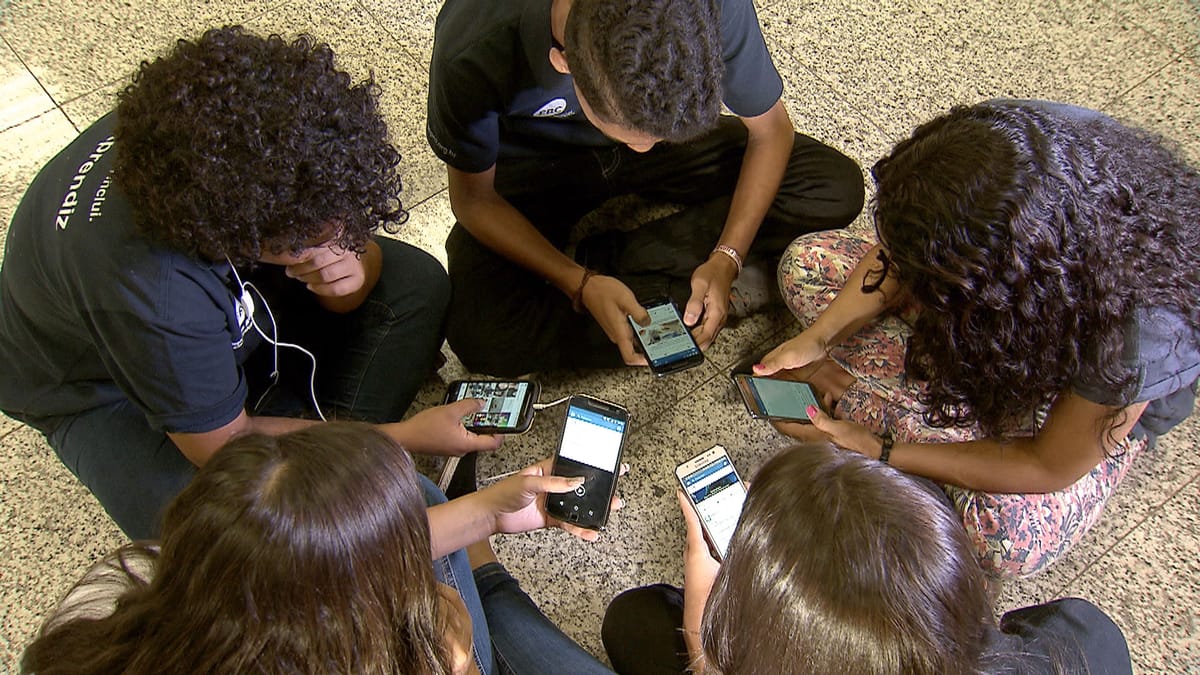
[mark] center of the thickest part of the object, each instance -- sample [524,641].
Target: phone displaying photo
[507,404]
[666,341]
[717,493]
[593,439]
[768,398]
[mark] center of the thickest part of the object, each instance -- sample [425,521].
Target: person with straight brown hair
[843,564]
[308,552]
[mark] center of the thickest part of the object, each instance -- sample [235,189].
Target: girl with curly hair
[309,552]
[156,266]
[1025,326]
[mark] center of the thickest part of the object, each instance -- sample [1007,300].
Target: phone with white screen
[592,442]
[666,341]
[507,404]
[772,399]
[717,493]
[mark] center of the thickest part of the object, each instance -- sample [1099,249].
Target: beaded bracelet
[733,255]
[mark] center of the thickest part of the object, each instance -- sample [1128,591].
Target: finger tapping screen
[718,495]
[666,339]
[502,402]
[592,438]
[783,398]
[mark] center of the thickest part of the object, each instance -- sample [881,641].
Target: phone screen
[666,341]
[591,447]
[718,495]
[505,403]
[786,399]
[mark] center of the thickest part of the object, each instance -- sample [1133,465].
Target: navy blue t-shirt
[91,313]
[494,94]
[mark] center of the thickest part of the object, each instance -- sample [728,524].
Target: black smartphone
[768,398]
[507,404]
[666,341]
[717,493]
[592,442]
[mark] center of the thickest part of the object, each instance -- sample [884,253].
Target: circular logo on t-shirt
[555,107]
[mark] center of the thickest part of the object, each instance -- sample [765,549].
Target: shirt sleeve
[169,346]
[463,120]
[752,84]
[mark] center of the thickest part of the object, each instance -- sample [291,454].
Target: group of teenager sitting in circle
[197,278]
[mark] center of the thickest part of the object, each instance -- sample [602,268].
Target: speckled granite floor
[859,75]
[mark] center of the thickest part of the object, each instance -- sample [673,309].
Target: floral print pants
[1014,535]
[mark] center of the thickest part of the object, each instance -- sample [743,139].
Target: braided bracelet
[577,298]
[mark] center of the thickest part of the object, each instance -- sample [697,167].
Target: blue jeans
[523,639]
[454,570]
[371,363]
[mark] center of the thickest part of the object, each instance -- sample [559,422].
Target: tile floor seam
[399,43]
[1175,58]
[38,81]
[1157,509]
[837,92]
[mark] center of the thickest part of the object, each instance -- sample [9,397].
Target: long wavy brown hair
[303,553]
[1028,236]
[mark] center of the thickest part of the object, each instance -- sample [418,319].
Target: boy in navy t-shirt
[544,109]
[229,201]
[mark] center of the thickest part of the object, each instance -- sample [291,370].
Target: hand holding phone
[591,445]
[772,399]
[666,341]
[507,404]
[713,488]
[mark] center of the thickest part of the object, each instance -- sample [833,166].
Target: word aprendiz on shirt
[71,198]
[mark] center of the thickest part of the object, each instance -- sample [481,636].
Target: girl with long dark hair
[310,552]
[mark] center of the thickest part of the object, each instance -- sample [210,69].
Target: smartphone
[666,341]
[717,493]
[507,404]
[768,398]
[592,442]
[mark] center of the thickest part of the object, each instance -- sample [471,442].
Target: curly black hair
[234,144]
[1029,236]
[650,65]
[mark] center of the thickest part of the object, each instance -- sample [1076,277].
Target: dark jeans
[506,321]
[370,364]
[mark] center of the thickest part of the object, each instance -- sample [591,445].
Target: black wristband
[886,451]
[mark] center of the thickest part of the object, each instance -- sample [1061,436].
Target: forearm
[198,448]
[372,262]
[768,150]
[460,523]
[497,224]
[852,307]
[1072,441]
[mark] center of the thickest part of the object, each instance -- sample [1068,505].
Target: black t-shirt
[92,313]
[1063,636]
[494,94]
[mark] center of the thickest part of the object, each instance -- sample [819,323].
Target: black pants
[505,321]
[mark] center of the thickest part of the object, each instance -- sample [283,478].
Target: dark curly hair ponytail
[232,145]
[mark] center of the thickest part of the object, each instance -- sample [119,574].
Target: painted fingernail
[811,410]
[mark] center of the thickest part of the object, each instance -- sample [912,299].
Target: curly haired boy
[227,204]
